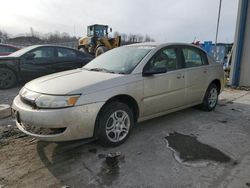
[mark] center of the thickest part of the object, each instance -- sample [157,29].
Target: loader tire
[100,50]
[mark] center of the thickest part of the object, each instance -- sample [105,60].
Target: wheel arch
[123,98]
[217,83]
[12,69]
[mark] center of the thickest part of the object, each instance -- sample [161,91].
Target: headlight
[50,101]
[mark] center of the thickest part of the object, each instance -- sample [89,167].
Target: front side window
[166,58]
[47,52]
[192,57]
[90,31]
[66,53]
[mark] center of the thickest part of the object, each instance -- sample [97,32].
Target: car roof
[8,45]
[50,45]
[159,45]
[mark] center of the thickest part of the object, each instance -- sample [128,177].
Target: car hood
[76,81]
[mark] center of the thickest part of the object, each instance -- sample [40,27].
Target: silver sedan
[129,84]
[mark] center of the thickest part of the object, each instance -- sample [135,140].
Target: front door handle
[178,76]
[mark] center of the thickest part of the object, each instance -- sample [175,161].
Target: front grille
[42,131]
[28,102]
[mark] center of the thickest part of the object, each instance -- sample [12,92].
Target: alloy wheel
[212,97]
[117,126]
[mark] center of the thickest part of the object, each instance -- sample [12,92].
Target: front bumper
[76,122]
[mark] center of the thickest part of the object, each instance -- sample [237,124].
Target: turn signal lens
[72,100]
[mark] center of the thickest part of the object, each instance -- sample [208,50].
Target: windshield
[121,60]
[22,51]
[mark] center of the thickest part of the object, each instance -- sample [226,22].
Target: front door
[37,63]
[165,91]
[66,59]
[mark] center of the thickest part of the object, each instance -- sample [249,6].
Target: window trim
[57,51]
[202,54]
[41,58]
[178,58]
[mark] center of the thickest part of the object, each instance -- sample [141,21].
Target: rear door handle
[178,76]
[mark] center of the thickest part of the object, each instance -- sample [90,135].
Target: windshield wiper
[101,70]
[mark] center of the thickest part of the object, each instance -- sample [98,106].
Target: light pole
[217,29]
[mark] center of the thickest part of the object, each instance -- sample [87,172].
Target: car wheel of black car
[114,124]
[7,78]
[211,98]
[100,50]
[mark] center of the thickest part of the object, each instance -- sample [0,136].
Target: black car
[35,61]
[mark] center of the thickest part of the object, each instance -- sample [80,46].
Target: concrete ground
[145,161]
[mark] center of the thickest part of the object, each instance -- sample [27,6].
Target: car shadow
[70,163]
[82,163]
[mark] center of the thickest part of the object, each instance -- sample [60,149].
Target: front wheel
[100,50]
[115,123]
[211,98]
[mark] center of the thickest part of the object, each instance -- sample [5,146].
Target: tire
[115,123]
[7,78]
[100,50]
[211,98]
[83,49]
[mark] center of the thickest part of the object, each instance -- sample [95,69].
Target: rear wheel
[211,98]
[115,123]
[7,78]
[100,50]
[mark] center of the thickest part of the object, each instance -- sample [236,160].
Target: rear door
[196,66]
[164,91]
[37,62]
[67,59]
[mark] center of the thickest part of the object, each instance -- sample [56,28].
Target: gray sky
[164,20]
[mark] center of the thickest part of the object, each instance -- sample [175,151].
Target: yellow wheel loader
[97,40]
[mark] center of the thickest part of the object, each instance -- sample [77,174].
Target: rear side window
[193,57]
[46,52]
[67,53]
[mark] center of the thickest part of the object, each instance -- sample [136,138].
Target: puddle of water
[222,121]
[108,174]
[92,150]
[187,149]
[110,168]
[101,156]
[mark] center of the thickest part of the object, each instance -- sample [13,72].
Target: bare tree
[3,36]
[116,34]
[147,38]
[124,37]
[139,38]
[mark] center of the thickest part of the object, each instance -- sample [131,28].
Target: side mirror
[30,56]
[154,71]
[110,30]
